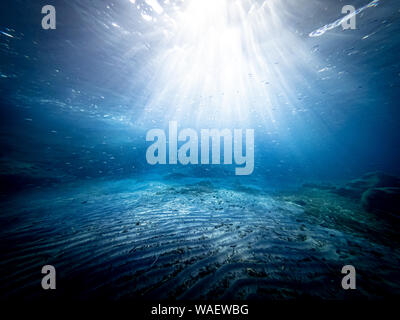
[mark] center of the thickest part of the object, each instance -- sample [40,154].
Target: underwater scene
[199,150]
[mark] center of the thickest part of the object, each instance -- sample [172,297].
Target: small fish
[6,34]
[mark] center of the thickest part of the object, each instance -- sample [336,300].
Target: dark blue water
[76,104]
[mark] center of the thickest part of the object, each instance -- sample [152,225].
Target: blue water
[76,104]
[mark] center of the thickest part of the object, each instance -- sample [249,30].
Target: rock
[356,188]
[16,176]
[382,200]
[11,183]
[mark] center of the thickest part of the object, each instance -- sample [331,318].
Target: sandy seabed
[132,239]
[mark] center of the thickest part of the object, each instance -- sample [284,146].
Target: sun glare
[224,61]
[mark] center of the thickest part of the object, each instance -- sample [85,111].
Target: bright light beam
[226,62]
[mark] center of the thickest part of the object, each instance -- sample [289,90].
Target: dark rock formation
[15,183]
[382,200]
[16,176]
[356,188]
